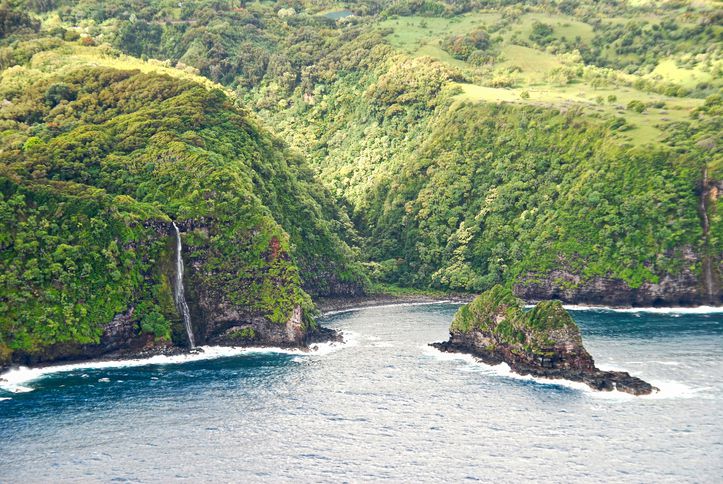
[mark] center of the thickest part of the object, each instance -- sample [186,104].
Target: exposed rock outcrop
[215,294]
[216,319]
[684,289]
[543,342]
[121,338]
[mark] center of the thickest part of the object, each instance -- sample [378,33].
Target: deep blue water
[383,406]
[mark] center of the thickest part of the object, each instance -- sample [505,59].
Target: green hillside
[97,161]
[566,149]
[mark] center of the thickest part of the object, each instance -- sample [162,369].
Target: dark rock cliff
[217,319]
[121,338]
[684,289]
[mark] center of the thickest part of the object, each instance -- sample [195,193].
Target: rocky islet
[542,342]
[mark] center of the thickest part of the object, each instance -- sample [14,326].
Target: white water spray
[179,291]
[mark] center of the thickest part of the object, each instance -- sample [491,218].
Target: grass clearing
[532,71]
[562,25]
[647,127]
[412,34]
[669,70]
[535,64]
[70,56]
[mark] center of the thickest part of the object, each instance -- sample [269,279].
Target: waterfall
[707,263]
[179,291]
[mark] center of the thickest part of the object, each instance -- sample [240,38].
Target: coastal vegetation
[97,161]
[324,148]
[543,342]
[500,313]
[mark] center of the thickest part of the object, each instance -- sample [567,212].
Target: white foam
[15,379]
[447,356]
[323,349]
[668,310]
[504,370]
[667,389]
[675,389]
[2,399]
[674,311]
[389,305]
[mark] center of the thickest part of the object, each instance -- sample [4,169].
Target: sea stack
[542,342]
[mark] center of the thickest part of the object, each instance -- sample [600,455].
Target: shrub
[637,106]
[474,44]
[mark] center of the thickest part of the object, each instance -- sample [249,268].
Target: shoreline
[667,389]
[169,353]
[336,305]
[14,379]
[329,306]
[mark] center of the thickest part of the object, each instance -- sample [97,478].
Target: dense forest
[97,161]
[562,149]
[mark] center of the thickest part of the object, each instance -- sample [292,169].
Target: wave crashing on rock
[543,342]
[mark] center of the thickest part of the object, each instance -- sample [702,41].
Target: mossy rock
[242,334]
[500,314]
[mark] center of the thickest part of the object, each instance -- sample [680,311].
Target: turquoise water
[383,406]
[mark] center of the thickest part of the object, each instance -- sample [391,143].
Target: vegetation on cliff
[97,161]
[460,145]
[499,313]
[536,137]
[544,341]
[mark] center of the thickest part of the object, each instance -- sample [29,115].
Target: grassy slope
[422,36]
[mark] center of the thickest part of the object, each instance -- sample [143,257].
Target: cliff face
[86,228]
[121,337]
[684,289]
[543,342]
[219,316]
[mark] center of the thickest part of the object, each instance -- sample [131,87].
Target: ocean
[382,406]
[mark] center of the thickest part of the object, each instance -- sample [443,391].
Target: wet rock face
[224,299]
[122,337]
[544,342]
[238,328]
[215,318]
[682,290]
[218,321]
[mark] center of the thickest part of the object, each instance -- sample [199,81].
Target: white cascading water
[179,291]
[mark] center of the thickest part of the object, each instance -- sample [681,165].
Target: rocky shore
[330,305]
[123,339]
[543,342]
[682,290]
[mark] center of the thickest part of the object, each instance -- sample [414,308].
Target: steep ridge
[571,175]
[96,163]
